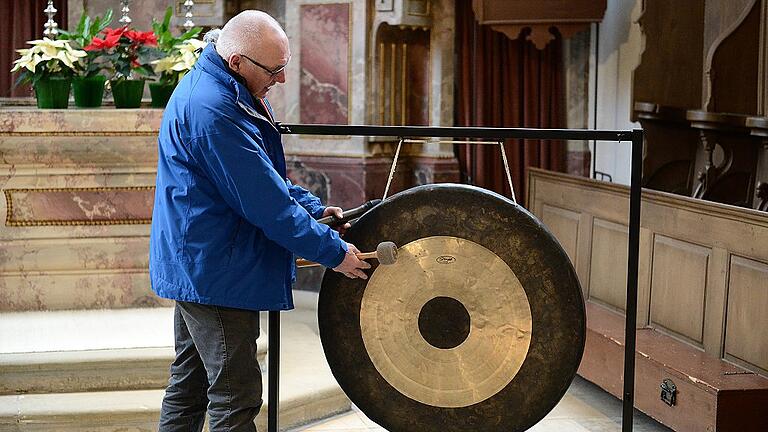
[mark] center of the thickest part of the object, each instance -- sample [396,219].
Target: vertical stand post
[273,372]
[632,269]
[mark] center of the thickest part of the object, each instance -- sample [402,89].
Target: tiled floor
[584,408]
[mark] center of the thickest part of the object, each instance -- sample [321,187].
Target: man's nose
[280,77]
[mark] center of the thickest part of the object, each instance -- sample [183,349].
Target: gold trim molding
[80,133]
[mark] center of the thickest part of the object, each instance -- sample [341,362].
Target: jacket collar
[211,62]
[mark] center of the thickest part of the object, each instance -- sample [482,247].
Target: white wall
[619,50]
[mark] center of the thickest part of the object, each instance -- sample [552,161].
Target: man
[227,223]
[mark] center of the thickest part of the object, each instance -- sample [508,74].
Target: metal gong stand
[492,136]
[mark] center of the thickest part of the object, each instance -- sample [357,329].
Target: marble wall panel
[350,181]
[73,254]
[35,291]
[79,206]
[345,182]
[325,49]
[355,74]
[208,13]
[18,121]
[78,189]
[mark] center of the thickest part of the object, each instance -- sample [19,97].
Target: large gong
[478,326]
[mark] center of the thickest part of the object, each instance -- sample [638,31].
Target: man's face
[262,68]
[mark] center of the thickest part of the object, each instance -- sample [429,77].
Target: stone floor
[584,408]
[38,336]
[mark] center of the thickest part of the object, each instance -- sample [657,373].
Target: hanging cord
[503,157]
[392,169]
[506,167]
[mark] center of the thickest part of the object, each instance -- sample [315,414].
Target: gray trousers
[215,370]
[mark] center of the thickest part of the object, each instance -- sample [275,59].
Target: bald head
[255,48]
[248,32]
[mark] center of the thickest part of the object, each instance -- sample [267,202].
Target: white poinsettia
[182,61]
[45,50]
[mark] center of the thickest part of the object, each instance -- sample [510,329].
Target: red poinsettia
[142,38]
[127,50]
[98,44]
[117,31]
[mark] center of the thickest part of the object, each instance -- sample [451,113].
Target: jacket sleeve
[244,176]
[306,199]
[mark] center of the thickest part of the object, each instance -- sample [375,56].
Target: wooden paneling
[688,279]
[609,263]
[564,224]
[714,307]
[747,319]
[698,260]
[679,264]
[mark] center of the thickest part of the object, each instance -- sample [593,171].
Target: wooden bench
[712,394]
[702,306]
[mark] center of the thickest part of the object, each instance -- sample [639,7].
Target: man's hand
[339,213]
[352,267]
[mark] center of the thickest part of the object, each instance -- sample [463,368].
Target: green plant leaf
[191,33]
[81,24]
[86,31]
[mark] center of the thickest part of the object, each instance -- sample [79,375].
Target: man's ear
[234,62]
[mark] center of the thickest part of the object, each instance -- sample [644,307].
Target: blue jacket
[227,221]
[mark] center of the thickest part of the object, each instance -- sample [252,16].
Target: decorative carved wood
[511,17]
[725,42]
[670,148]
[732,179]
[731,66]
[759,128]
[673,54]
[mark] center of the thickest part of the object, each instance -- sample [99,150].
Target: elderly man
[227,223]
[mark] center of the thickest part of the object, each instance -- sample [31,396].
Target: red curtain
[25,19]
[506,83]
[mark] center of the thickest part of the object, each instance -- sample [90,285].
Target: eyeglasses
[272,72]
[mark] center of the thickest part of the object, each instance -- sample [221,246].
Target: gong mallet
[349,214]
[386,253]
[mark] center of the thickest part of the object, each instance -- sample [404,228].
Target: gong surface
[449,325]
[479,325]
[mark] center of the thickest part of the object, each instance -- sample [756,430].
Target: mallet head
[386,252]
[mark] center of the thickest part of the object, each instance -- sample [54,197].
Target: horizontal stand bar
[453,132]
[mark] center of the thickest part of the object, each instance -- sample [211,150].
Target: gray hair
[245,30]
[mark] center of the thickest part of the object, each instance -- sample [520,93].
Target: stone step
[89,350]
[139,410]
[92,370]
[91,357]
[85,330]
[84,371]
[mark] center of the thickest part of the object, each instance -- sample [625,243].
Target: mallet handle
[349,214]
[301,262]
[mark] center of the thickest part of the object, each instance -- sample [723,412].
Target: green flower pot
[53,92]
[89,92]
[127,93]
[160,93]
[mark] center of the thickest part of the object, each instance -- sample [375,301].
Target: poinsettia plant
[174,66]
[127,52]
[47,59]
[180,52]
[82,36]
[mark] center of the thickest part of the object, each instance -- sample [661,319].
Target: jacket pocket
[233,242]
